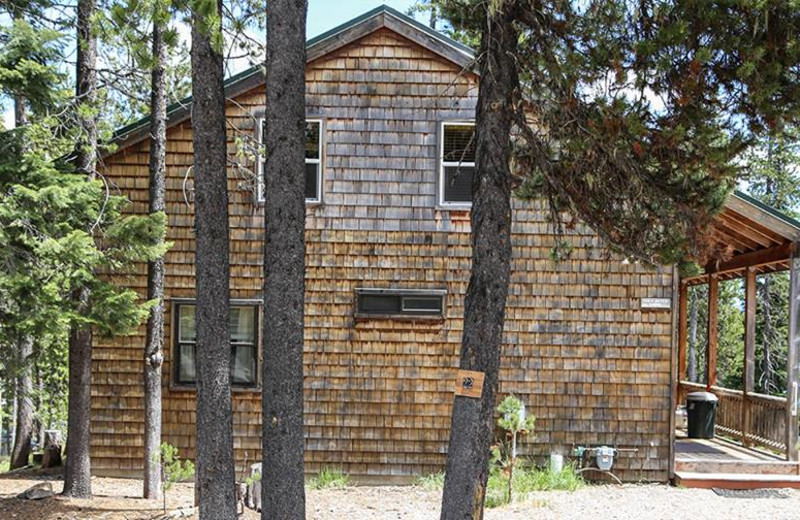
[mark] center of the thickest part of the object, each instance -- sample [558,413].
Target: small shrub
[528,479]
[4,464]
[516,423]
[330,478]
[173,469]
[431,482]
[252,479]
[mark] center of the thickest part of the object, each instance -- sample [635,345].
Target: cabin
[592,344]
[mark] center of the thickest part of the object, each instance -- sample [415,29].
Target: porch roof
[749,234]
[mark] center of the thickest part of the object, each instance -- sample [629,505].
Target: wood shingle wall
[591,365]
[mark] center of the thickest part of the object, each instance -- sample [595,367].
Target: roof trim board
[764,215]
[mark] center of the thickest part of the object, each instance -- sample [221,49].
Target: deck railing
[753,419]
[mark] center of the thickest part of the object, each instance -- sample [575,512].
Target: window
[457,164]
[243,323]
[313,158]
[405,303]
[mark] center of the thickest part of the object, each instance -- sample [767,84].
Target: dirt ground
[115,499]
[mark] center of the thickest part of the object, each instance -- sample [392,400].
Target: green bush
[173,469]
[431,482]
[330,478]
[528,479]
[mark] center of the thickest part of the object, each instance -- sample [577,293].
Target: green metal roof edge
[182,103]
[309,43]
[769,209]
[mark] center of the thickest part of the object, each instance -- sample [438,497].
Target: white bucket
[556,462]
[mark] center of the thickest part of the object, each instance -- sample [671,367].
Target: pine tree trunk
[40,427]
[154,342]
[691,363]
[13,419]
[283,490]
[484,307]
[24,424]
[767,368]
[215,463]
[77,476]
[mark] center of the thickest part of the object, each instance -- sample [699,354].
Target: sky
[327,14]
[323,15]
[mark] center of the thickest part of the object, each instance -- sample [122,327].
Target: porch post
[711,344]
[749,350]
[682,337]
[792,356]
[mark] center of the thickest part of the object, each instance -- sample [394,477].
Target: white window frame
[444,164]
[260,161]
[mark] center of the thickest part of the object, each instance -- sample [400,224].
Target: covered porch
[756,442]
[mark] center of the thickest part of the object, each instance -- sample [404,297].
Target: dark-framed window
[400,303]
[456,163]
[244,345]
[313,160]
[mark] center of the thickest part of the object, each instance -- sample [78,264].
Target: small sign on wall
[469,383]
[656,304]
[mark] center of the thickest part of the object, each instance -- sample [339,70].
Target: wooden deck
[702,463]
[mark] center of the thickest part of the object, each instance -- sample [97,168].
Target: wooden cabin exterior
[588,342]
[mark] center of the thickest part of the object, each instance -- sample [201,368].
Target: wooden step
[735,480]
[758,467]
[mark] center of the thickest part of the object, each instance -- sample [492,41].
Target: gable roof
[381,17]
[384,16]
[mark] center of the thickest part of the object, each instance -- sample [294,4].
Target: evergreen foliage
[59,232]
[640,110]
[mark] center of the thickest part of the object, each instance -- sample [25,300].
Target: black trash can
[701,408]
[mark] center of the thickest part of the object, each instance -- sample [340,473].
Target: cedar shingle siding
[588,362]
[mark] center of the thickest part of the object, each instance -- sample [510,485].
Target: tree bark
[691,364]
[77,476]
[13,419]
[154,342]
[215,463]
[484,307]
[283,489]
[767,379]
[23,434]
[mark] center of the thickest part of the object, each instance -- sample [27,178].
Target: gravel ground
[115,499]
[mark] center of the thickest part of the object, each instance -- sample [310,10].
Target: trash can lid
[702,396]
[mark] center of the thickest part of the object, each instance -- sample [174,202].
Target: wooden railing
[753,419]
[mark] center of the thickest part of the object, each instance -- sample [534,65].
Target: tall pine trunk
[215,463]
[40,425]
[77,476]
[23,434]
[767,379]
[691,364]
[154,343]
[484,307]
[24,423]
[283,489]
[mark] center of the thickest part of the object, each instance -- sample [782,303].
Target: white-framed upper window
[313,160]
[456,163]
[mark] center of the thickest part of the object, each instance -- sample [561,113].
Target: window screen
[243,320]
[458,163]
[411,303]
[313,159]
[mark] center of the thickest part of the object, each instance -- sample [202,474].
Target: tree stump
[52,449]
